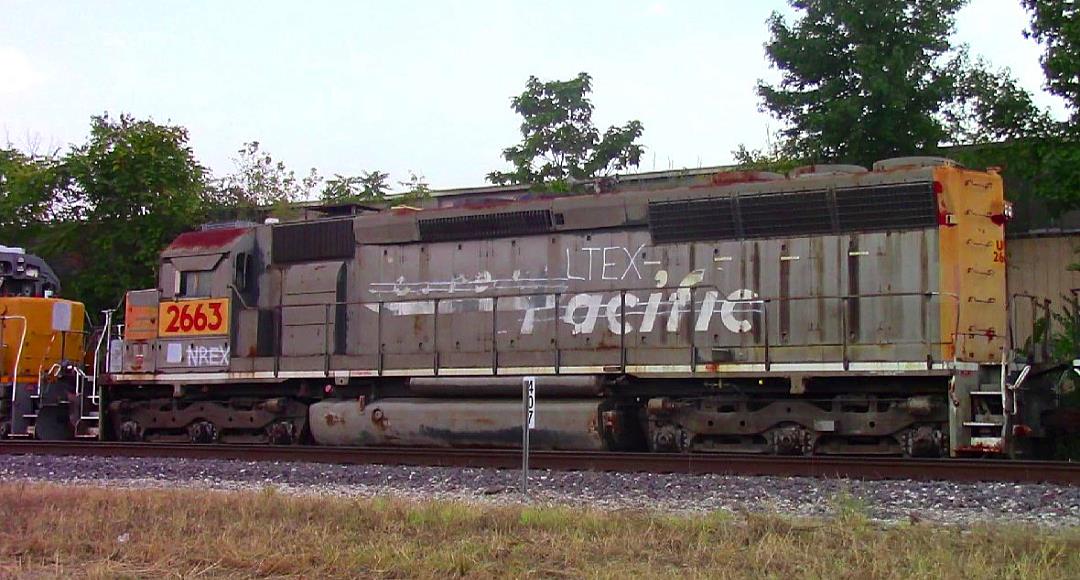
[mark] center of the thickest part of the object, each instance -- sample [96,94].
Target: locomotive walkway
[1020,471]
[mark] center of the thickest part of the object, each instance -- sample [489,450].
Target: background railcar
[839,311]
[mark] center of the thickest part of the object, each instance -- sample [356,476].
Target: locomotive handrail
[41,364]
[236,292]
[603,291]
[761,307]
[63,348]
[18,354]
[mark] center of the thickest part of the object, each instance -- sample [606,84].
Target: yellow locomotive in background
[46,392]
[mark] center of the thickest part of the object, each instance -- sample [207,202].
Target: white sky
[409,85]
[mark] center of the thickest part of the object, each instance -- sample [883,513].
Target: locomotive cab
[180,338]
[186,324]
[46,392]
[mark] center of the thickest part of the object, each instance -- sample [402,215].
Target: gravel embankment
[961,503]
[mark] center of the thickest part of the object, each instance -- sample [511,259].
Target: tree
[28,185]
[415,189]
[772,158]
[368,187]
[258,181]
[372,187]
[861,80]
[990,106]
[133,186]
[560,145]
[1056,25]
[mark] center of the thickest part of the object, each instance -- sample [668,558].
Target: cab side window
[195,284]
[242,271]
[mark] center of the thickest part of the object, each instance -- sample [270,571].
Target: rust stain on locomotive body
[207,239]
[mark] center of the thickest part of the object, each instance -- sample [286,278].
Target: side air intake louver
[684,220]
[784,215]
[887,207]
[512,223]
[902,206]
[313,242]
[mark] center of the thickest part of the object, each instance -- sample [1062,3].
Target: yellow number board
[194,317]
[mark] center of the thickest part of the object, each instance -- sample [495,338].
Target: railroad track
[694,463]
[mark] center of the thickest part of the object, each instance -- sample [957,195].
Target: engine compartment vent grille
[791,214]
[684,220]
[313,242]
[902,206]
[503,224]
[887,207]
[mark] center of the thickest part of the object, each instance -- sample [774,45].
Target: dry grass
[77,531]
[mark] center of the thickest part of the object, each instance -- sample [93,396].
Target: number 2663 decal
[189,317]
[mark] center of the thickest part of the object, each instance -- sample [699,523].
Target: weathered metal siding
[568,292]
[599,294]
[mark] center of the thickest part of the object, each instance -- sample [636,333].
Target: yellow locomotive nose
[44,391]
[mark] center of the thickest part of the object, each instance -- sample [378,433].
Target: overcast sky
[400,86]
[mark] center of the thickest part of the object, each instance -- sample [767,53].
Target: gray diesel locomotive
[838,311]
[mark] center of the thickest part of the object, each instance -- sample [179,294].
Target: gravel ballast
[898,500]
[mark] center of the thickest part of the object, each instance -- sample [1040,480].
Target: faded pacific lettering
[539,297]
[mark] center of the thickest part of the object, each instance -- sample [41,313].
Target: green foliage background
[860,80]
[101,212]
[560,146]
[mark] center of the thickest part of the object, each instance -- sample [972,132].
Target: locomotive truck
[836,310]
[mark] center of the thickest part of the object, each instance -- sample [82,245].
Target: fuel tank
[579,424]
[509,386]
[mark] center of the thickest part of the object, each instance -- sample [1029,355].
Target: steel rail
[862,467]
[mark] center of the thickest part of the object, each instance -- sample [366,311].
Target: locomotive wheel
[203,432]
[790,439]
[924,441]
[670,438]
[5,429]
[281,433]
[131,431]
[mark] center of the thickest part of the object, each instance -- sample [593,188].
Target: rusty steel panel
[208,241]
[560,424]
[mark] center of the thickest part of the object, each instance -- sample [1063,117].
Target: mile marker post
[528,422]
